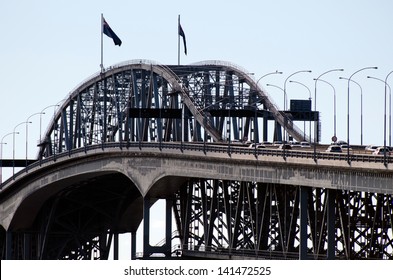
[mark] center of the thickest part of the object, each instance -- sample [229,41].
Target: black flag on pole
[181,33]
[109,32]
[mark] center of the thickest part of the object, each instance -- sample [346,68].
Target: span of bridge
[140,132]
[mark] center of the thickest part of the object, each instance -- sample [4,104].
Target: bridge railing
[217,148]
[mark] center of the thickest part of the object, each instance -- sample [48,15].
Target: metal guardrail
[207,148]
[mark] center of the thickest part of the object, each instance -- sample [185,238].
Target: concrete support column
[331,219]
[303,222]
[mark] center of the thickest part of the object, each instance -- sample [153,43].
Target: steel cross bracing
[141,102]
[220,218]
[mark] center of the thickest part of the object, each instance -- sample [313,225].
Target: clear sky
[48,47]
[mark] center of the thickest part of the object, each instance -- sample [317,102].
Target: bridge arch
[141,100]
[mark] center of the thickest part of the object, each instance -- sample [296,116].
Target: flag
[181,33]
[109,32]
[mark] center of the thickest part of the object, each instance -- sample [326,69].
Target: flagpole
[102,44]
[178,41]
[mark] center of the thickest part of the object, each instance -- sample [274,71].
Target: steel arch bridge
[208,103]
[140,100]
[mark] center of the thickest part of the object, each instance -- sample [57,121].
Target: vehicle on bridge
[382,151]
[334,149]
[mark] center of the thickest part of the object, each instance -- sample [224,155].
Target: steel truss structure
[216,102]
[142,101]
[245,219]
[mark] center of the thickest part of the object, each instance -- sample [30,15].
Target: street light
[270,85]
[315,108]
[334,105]
[309,91]
[350,77]
[384,116]
[390,127]
[271,73]
[361,107]
[1,155]
[285,96]
[43,113]
[13,147]
[27,131]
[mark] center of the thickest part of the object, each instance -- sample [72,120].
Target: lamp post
[285,94]
[270,85]
[361,107]
[43,113]
[315,108]
[309,91]
[271,73]
[27,131]
[334,105]
[13,147]
[384,117]
[256,101]
[1,155]
[390,101]
[349,80]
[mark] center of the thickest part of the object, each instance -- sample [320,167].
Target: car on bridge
[285,147]
[334,149]
[370,148]
[382,151]
[305,144]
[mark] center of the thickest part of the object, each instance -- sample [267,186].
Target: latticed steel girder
[145,101]
[221,218]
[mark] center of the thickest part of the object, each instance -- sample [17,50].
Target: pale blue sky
[48,47]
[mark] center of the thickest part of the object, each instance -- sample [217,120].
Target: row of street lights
[15,132]
[349,80]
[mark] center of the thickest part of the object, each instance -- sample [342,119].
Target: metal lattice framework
[145,101]
[263,221]
[210,102]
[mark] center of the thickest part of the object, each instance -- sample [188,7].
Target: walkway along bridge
[142,132]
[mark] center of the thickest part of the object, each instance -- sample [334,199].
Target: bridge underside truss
[245,219]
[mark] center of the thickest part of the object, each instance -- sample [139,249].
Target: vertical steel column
[146,227]
[133,245]
[116,246]
[265,126]
[168,227]
[303,222]
[8,245]
[331,218]
[26,246]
